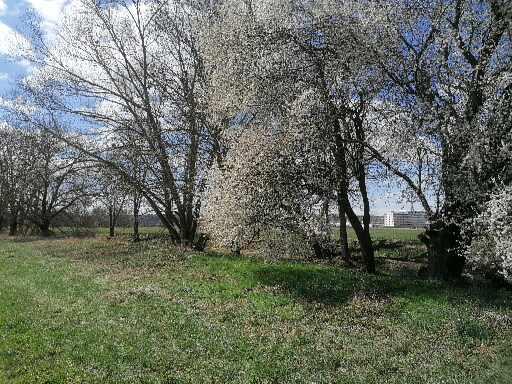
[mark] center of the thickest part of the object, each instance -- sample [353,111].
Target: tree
[112,193]
[132,70]
[60,181]
[41,178]
[489,246]
[17,171]
[278,53]
[447,62]
[271,179]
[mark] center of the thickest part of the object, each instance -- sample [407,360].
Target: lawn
[392,243]
[110,311]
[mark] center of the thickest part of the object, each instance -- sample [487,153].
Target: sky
[12,16]
[383,198]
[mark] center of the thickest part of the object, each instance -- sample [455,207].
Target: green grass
[108,311]
[398,234]
[392,243]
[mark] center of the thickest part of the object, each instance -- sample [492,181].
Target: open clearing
[109,311]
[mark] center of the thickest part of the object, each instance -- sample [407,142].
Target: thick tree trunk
[188,231]
[345,252]
[2,222]
[235,248]
[44,228]
[442,239]
[444,260]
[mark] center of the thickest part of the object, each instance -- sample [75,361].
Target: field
[391,234]
[104,310]
[392,243]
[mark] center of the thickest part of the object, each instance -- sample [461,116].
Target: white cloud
[12,42]
[50,11]
[4,76]
[3,7]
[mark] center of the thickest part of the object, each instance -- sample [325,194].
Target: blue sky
[12,13]
[10,19]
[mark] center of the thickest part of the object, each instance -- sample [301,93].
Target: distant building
[413,219]
[400,219]
[375,221]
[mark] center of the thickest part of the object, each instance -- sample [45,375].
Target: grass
[109,311]
[392,243]
[127,231]
[398,234]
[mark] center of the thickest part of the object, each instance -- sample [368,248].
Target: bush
[278,244]
[490,246]
[323,248]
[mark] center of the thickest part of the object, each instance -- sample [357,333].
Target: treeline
[45,184]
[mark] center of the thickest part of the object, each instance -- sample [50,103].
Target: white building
[413,219]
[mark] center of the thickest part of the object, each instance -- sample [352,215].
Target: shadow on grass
[322,285]
[387,244]
[334,287]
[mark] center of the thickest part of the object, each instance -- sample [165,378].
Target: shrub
[279,244]
[490,247]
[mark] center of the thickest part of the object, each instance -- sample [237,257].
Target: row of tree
[247,115]
[40,179]
[45,183]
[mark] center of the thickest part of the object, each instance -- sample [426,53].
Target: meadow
[99,310]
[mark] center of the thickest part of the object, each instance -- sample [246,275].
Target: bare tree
[137,66]
[17,166]
[60,181]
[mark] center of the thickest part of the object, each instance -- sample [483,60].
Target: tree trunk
[2,222]
[188,227]
[44,228]
[363,236]
[365,241]
[366,236]
[442,241]
[360,171]
[345,252]
[136,206]
[235,248]
[111,221]
[13,225]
